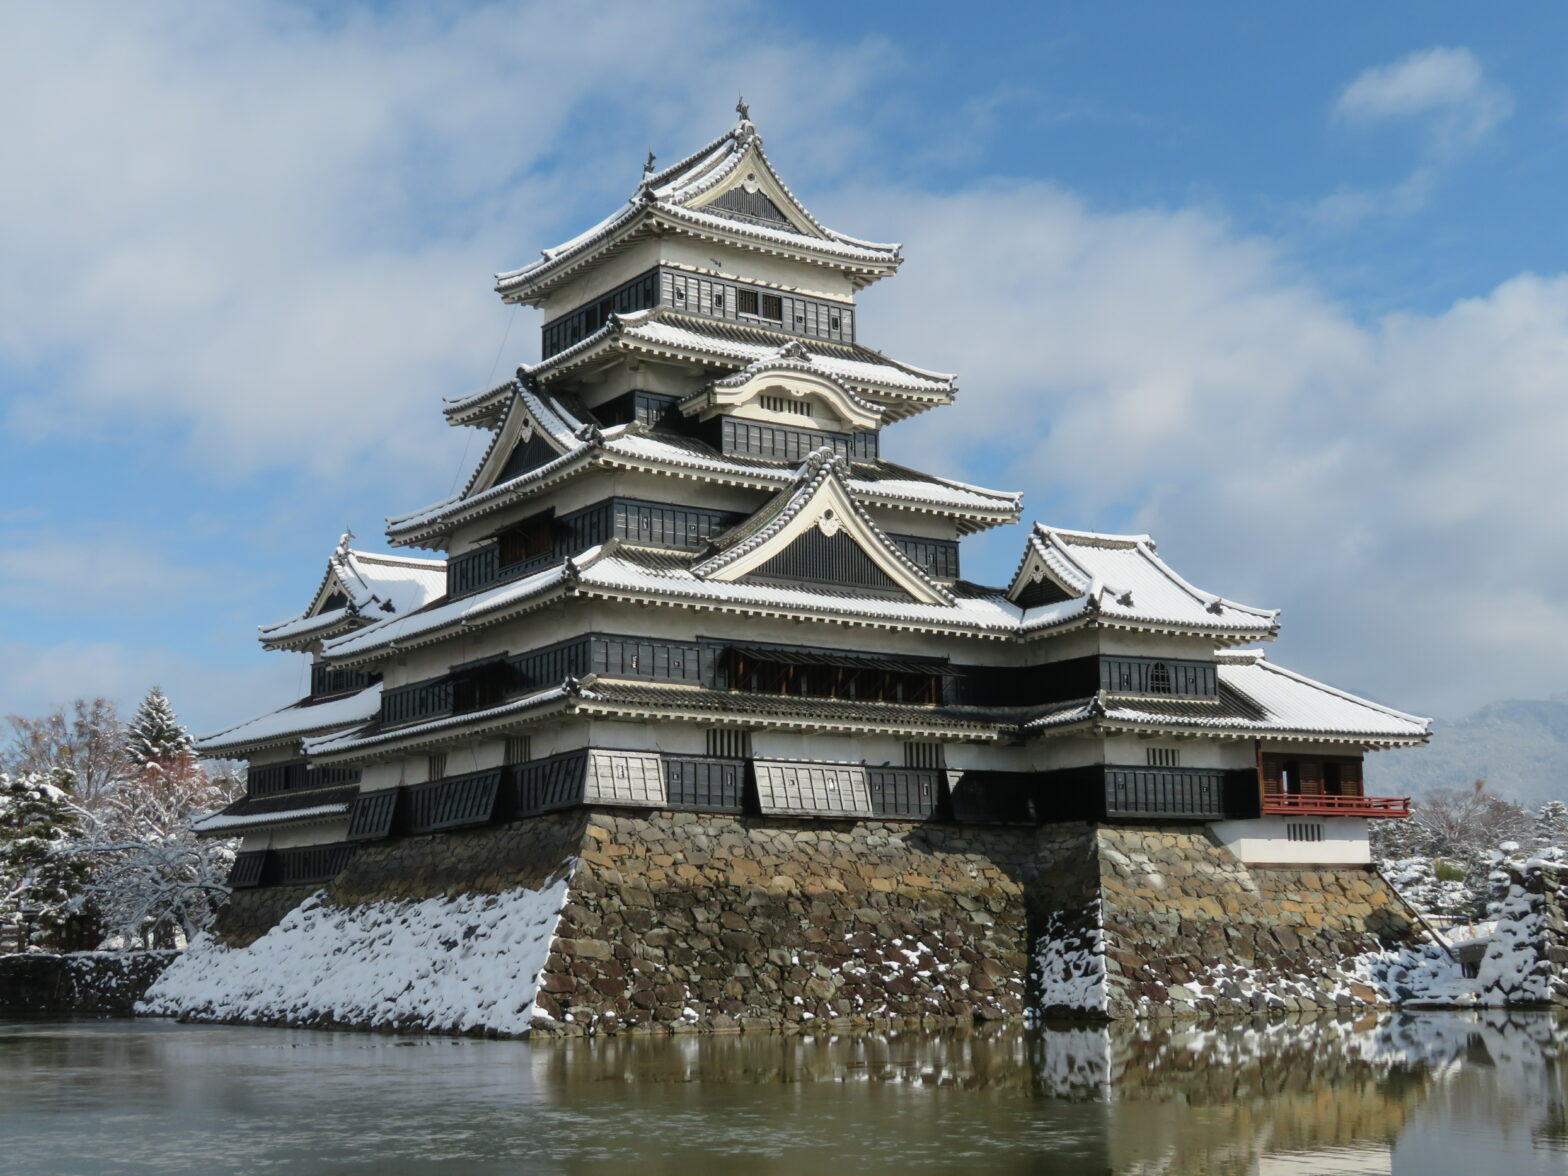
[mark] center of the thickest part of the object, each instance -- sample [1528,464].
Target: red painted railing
[1293,804]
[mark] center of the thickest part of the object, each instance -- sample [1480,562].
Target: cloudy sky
[1285,287]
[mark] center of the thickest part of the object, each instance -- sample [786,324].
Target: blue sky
[1283,285]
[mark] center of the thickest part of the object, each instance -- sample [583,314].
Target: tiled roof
[1255,696]
[253,812]
[1122,580]
[672,198]
[374,586]
[292,722]
[878,483]
[728,345]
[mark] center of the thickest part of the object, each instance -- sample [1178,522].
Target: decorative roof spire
[647,168]
[741,108]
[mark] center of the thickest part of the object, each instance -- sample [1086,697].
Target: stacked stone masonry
[687,921]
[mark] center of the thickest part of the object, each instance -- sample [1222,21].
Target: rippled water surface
[1434,1094]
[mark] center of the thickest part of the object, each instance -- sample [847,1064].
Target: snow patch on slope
[464,964]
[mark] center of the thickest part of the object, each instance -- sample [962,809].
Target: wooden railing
[1294,804]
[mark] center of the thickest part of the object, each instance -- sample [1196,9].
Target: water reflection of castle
[1312,1095]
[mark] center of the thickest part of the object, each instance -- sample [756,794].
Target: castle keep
[695,648]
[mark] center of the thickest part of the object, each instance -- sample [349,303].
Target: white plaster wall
[384,774]
[273,755]
[674,738]
[294,836]
[1266,841]
[1132,751]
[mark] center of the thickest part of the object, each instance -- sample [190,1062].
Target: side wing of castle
[686,575]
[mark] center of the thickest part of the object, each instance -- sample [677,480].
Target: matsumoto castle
[689,574]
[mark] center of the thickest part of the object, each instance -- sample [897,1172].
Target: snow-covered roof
[292,722]
[1121,579]
[820,497]
[221,822]
[616,571]
[673,334]
[633,447]
[371,586]
[679,199]
[1255,696]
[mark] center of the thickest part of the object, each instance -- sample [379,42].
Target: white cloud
[1445,87]
[279,227]
[1444,92]
[1393,484]
[39,677]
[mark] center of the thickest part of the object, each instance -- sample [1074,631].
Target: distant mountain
[1519,748]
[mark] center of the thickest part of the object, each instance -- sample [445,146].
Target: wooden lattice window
[1159,678]
[727,744]
[435,766]
[1163,757]
[519,749]
[746,301]
[773,307]
[923,755]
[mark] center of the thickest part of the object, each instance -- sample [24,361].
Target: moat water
[1431,1094]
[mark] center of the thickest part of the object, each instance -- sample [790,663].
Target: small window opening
[773,307]
[718,302]
[519,749]
[833,323]
[435,766]
[746,301]
[1159,678]
[1163,757]
[725,744]
[923,755]
[1303,831]
[528,540]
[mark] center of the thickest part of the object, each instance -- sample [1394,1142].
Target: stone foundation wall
[734,922]
[1189,928]
[681,921]
[91,984]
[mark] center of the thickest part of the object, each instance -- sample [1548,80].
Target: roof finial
[741,108]
[647,168]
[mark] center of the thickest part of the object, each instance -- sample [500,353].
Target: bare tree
[1462,824]
[88,741]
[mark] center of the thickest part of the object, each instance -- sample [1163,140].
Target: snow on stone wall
[1067,965]
[465,964]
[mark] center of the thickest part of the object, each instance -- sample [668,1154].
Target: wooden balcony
[1322,805]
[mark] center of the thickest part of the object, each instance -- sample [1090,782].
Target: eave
[591,697]
[612,342]
[438,521]
[654,218]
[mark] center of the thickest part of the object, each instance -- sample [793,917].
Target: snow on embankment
[465,964]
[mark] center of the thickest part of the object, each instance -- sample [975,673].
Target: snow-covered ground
[464,964]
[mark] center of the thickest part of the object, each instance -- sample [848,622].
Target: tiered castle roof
[746,407]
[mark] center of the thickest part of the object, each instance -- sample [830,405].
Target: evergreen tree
[40,879]
[155,737]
